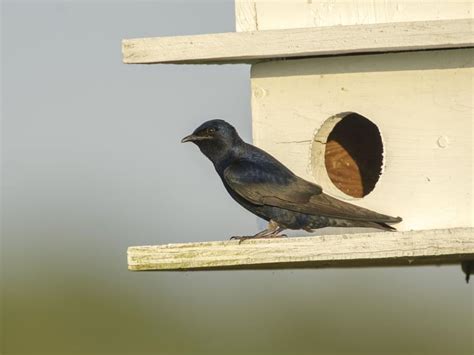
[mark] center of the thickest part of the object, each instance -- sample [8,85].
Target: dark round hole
[354,155]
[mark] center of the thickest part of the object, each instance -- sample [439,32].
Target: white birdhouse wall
[422,105]
[253,15]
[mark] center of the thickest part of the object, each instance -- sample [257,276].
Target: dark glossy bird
[267,188]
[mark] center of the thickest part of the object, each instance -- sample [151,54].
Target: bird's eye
[211,130]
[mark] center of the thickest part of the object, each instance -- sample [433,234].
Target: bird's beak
[193,138]
[187,138]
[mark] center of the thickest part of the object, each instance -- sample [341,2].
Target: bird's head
[215,138]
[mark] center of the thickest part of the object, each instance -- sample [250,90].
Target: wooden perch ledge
[248,47]
[439,246]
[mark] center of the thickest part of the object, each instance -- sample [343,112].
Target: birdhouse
[371,100]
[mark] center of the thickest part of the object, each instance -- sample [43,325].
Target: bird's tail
[383,226]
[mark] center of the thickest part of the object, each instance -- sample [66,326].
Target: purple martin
[267,188]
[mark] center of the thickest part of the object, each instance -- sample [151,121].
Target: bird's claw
[241,238]
[245,237]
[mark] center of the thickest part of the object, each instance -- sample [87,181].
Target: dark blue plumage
[267,188]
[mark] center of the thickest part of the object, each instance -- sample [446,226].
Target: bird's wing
[261,184]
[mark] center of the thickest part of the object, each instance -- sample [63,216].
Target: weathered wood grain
[366,249]
[246,15]
[285,43]
[349,178]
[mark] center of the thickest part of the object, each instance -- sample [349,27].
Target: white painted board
[364,249]
[259,45]
[251,15]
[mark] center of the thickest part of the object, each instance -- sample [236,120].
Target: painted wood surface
[287,43]
[365,249]
[422,104]
[245,15]
[253,15]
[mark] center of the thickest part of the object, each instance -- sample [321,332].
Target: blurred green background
[92,164]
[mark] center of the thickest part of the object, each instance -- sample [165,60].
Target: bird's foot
[246,237]
[272,231]
[241,238]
